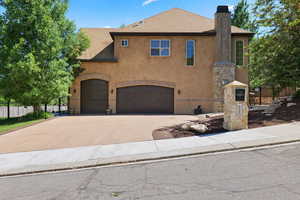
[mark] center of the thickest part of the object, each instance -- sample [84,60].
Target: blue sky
[113,13]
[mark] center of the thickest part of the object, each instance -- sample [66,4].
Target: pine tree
[241,17]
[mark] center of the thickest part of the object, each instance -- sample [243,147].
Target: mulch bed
[257,119]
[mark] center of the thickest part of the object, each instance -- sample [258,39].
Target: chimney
[223,35]
[223,69]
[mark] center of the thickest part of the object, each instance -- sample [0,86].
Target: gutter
[112,60]
[207,33]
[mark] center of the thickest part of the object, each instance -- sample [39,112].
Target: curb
[149,159]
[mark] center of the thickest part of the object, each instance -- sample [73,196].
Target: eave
[112,60]
[207,33]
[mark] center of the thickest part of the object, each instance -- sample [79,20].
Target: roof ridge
[172,20]
[163,12]
[96,28]
[189,12]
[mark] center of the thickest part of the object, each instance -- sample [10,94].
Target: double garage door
[130,100]
[145,99]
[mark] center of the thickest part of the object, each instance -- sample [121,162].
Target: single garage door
[145,99]
[94,96]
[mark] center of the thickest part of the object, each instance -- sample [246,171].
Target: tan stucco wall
[135,66]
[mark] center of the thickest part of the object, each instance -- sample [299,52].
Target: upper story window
[160,48]
[190,52]
[239,52]
[124,43]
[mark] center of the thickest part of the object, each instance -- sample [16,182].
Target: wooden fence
[268,95]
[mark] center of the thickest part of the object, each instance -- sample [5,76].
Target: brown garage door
[94,96]
[145,99]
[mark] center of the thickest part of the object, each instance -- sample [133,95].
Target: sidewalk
[72,158]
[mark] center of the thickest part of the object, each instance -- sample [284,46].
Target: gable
[175,21]
[100,42]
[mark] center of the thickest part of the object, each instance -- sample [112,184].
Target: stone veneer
[223,69]
[235,112]
[222,74]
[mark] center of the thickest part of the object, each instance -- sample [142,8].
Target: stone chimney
[223,69]
[223,34]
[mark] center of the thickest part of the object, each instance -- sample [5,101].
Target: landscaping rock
[215,115]
[200,128]
[187,126]
[291,104]
[271,109]
[289,99]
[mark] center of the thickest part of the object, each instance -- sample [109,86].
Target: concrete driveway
[75,131]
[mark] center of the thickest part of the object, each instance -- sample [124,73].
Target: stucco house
[169,63]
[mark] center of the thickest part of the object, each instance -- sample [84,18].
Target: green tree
[39,47]
[275,59]
[241,17]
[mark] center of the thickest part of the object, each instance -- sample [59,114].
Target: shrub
[38,115]
[297,94]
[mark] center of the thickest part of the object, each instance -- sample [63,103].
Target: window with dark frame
[160,48]
[124,43]
[239,52]
[190,52]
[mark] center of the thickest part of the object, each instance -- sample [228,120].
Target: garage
[94,96]
[145,99]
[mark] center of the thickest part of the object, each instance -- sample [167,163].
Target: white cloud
[107,26]
[148,2]
[231,8]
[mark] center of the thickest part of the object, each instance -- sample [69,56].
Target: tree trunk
[45,110]
[260,95]
[68,101]
[36,108]
[8,109]
[59,105]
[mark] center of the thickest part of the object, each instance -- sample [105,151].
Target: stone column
[223,69]
[236,106]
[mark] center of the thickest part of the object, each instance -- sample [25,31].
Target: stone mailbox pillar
[236,106]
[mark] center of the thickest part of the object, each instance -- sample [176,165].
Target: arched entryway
[145,99]
[93,96]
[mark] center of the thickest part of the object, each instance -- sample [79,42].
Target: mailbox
[235,106]
[240,94]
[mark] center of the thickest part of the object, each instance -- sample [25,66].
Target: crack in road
[219,176]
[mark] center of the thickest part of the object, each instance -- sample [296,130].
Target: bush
[38,115]
[297,94]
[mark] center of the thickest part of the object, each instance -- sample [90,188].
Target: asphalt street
[260,174]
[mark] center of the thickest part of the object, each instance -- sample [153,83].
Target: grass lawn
[7,125]
[18,122]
